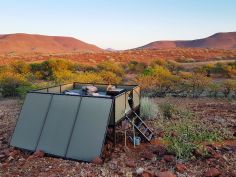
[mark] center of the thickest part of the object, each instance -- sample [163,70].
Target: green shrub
[167,110]
[214,89]
[158,79]
[48,70]
[135,67]
[189,136]
[198,84]
[110,77]
[22,90]
[111,66]
[9,82]
[229,86]
[149,109]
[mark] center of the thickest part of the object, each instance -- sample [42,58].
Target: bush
[229,86]
[89,77]
[111,66]
[158,62]
[10,82]
[84,68]
[109,77]
[190,136]
[158,79]
[20,67]
[226,70]
[64,76]
[167,110]
[48,70]
[197,83]
[22,90]
[135,67]
[149,109]
[214,89]
[173,66]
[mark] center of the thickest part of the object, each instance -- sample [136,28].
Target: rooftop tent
[71,126]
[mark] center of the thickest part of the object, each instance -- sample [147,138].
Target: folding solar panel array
[67,126]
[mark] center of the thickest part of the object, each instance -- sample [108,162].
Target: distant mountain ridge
[219,41]
[21,43]
[29,43]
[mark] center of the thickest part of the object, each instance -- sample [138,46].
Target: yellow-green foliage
[214,88]
[158,78]
[229,86]
[197,83]
[64,76]
[159,62]
[224,69]
[89,77]
[161,81]
[135,67]
[50,69]
[62,71]
[20,67]
[111,66]
[9,82]
[109,77]
[190,136]
[85,67]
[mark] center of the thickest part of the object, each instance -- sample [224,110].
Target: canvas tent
[72,126]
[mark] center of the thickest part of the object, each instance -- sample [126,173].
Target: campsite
[45,124]
[108,88]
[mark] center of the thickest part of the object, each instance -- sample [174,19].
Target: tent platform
[72,126]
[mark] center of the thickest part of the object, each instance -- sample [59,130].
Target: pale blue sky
[119,24]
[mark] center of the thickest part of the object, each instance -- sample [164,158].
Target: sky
[119,24]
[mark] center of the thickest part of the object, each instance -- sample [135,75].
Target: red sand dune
[28,43]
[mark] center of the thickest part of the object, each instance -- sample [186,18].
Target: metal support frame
[114,125]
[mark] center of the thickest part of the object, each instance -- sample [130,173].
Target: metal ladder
[140,126]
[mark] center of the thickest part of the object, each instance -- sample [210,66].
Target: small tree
[158,79]
[198,84]
[214,89]
[206,70]
[228,87]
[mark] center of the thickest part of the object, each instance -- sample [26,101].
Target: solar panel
[63,125]
[59,124]
[90,129]
[31,120]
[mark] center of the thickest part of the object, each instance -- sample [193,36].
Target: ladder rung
[150,137]
[140,124]
[145,131]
